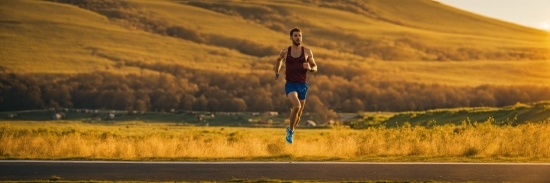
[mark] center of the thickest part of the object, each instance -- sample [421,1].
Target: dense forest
[172,86]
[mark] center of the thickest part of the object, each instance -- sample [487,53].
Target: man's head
[296,36]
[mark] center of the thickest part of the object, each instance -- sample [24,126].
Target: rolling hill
[393,53]
[66,36]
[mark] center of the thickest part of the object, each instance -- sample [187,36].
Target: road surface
[319,171]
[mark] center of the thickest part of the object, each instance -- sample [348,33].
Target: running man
[298,60]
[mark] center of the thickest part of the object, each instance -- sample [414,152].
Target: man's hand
[307,66]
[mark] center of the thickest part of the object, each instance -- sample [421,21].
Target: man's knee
[296,106]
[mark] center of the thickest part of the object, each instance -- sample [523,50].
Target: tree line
[340,89]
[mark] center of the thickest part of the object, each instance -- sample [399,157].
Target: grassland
[74,40]
[480,142]
[510,134]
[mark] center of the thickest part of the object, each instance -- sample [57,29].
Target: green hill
[508,115]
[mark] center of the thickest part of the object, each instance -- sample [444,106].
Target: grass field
[510,134]
[515,133]
[62,43]
[480,142]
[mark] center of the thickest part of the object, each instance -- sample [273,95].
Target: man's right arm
[279,62]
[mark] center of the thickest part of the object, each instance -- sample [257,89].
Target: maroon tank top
[295,71]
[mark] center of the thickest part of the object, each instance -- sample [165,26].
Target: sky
[529,13]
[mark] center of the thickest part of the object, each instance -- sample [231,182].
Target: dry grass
[473,73]
[58,38]
[139,141]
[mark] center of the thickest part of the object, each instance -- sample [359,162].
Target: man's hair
[296,29]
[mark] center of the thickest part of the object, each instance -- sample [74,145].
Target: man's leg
[302,104]
[296,109]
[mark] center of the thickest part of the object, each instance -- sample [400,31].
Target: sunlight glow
[545,25]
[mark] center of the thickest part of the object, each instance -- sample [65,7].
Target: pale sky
[530,13]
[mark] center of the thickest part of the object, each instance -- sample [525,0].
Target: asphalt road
[320,171]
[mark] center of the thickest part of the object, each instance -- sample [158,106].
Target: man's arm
[279,62]
[311,61]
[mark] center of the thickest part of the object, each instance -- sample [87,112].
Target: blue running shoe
[289,135]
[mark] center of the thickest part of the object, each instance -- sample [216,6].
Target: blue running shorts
[298,87]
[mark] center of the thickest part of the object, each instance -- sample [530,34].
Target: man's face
[296,38]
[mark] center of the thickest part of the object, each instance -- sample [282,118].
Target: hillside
[391,30]
[206,55]
[41,36]
[101,33]
[55,37]
[507,115]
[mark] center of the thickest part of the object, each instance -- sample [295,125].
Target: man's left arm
[311,61]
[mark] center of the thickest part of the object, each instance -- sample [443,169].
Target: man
[298,60]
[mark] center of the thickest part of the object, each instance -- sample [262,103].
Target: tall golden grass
[483,140]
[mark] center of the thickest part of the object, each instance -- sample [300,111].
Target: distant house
[57,116]
[267,121]
[310,123]
[271,113]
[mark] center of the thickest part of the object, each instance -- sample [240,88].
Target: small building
[310,123]
[271,113]
[266,121]
[57,116]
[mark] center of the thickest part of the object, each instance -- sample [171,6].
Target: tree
[259,99]
[235,104]
[186,102]
[213,104]
[201,104]
[34,99]
[357,105]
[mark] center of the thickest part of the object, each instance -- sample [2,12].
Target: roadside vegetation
[470,142]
